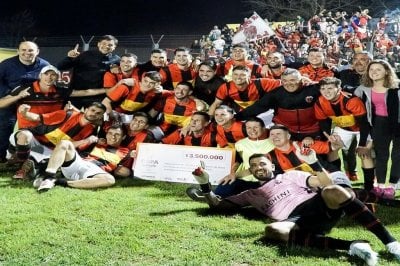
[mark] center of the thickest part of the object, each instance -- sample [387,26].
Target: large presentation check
[175,163]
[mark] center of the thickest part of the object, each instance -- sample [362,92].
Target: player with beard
[304,207]
[351,77]
[274,66]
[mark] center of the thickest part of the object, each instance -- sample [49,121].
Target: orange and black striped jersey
[111,79]
[107,157]
[342,112]
[172,75]
[62,125]
[316,74]
[133,139]
[207,139]
[40,102]
[224,68]
[288,160]
[241,99]
[235,132]
[174,113]
[126,99]
[273,75]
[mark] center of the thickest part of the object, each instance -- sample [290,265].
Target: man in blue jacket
[18,70]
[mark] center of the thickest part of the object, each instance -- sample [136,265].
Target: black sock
[307,239]
[359,212]
[50,175]
[365,195]
[369,175]
[205,188]
[61,182]
[337,163]
[23,151]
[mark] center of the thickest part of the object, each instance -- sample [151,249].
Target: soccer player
[93,171]
[304,206]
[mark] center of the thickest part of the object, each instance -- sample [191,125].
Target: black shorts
[314,216]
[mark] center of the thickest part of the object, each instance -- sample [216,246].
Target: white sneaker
[365,252]
[394,248]
[37,182]
[46,185]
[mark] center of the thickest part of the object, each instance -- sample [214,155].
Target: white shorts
[38,152]
[340,178]
[81,169]
[347,136]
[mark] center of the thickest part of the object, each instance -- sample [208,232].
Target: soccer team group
[87,125]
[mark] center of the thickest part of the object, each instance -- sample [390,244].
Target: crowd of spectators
[340,34]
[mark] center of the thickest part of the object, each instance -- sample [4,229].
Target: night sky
[127,17]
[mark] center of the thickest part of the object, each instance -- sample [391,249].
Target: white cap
[48,68]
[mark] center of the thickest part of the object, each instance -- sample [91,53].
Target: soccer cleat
[195,194]
[394,248]
[389,193]
[384,193]
[27,170]
[37,182]
[46,185]
[364,251]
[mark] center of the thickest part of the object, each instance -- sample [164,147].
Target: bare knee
[279,230]
[23,137]
[335,195]
[333,156]
[65,145]
[122,171]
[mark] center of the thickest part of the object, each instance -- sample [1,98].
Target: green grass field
[149,223]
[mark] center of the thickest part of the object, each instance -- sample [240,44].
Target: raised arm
[257,108]
[321,177]
[213,200]
[11,99]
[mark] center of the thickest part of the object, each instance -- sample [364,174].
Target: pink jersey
[278,197]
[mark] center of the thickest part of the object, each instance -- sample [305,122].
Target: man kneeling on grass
[305,207]
[92,171]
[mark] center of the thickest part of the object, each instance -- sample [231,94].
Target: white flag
[252,29]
